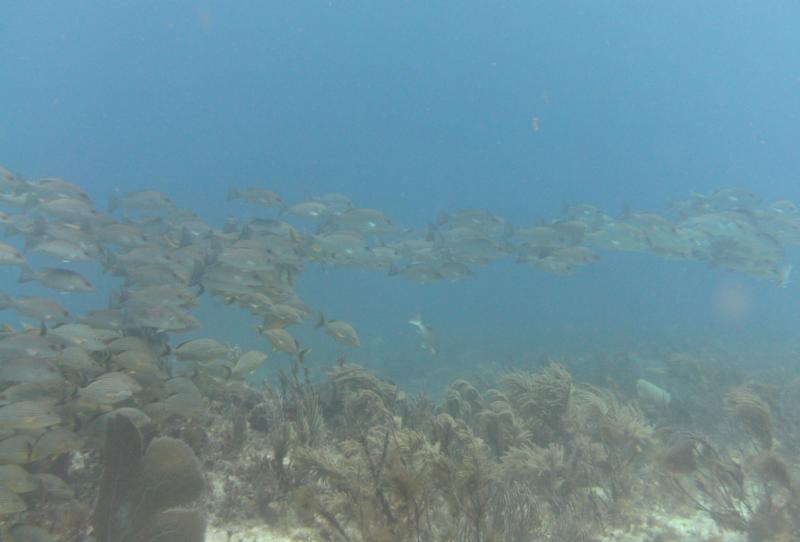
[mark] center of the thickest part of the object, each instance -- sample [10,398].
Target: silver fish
[61,280]
[430,340]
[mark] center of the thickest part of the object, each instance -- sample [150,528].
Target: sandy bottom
[659,528]
[255,533]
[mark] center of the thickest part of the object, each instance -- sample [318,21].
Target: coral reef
[140,493]
[536,455]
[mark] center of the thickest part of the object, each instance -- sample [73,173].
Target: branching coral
[355,400]
[540,400]
[463,401]
[610,435]
[498,425]
[544,470]
[753,414]
[377,487]
[713,482]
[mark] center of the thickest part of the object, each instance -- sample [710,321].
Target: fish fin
[785,273]
[301,355]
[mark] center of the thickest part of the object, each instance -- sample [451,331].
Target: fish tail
[320,320]
[233,192]
[108,260]
[785,273]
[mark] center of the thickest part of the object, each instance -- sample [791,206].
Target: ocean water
[418,107]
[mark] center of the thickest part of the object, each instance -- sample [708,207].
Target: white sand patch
[254,533]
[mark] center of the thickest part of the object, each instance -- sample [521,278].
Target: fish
[187,405]
[334,202]
[28,415]
[55,442]
[430,340]
[308,209]
[20,200]
[180,384]
[61,280]
[54,487]
[203,350]
[281,315]
[247,363]
[18,344]
[454,270]
[65,251]
[176,294]
[142,201]
[34,391]
[257,196]
[10,502]
[107,389]
[17,479]
[361,220]
[282,341]
[41,309]
[418,272]
[339,246]
[10,255]
[134,363]
[53,188]
[161,318]
[122,235]
[78,359]
[32,370]
[16,450]
[75,210]
[343,332]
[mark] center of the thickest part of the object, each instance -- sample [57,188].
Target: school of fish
[63,375]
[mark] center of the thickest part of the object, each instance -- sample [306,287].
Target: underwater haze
[414,108]
[399,271]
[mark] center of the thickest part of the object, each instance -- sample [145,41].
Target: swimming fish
[339,330]
[430,340]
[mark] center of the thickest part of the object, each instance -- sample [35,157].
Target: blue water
[416,107]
